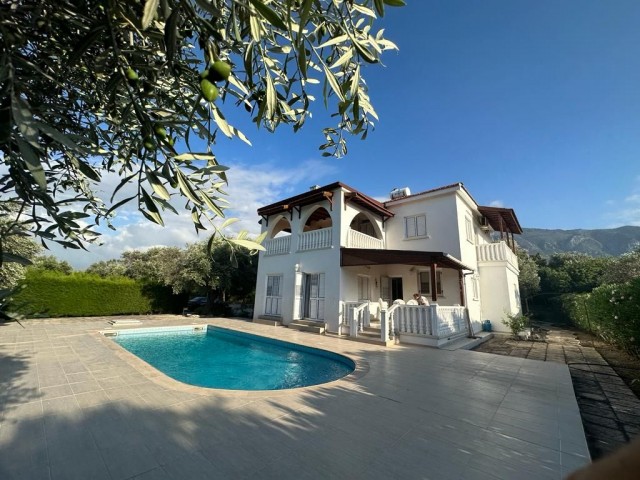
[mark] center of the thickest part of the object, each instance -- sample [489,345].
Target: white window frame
[412,224]
[469,229]
[475,287]
[440,293]
[364,290]
[273,295]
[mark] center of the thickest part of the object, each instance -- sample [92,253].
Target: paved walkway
[610,411]
[75,405]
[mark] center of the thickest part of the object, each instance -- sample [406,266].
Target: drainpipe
[466,303]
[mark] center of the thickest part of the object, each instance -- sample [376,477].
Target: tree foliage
[17,249]
[95,87]
[572,273]
[624,268]
[52,264]
[107,268]
[211,268]
[529,278]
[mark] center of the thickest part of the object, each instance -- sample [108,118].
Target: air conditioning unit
[484,224]
[400,193]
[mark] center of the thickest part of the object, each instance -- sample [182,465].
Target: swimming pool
[215,357]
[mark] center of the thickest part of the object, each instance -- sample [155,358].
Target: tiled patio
[73,405]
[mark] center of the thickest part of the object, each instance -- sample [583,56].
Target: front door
[396,288]
[314,296]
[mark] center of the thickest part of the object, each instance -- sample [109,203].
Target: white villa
[337,260]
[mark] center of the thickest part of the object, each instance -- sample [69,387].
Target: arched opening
[361,223]
[282,228]
[320,218]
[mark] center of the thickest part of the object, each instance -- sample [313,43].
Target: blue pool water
[221,358]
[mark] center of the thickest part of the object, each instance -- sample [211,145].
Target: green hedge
[79,294]
[612,312]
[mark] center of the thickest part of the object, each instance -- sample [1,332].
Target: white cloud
[250,187]
[628,212]
[497,203]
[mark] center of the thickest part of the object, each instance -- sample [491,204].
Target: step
[371,340]
[311,323]
[267,320]
[370,333]
[304,327]
[372,330]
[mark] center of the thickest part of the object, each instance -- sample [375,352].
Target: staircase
[308,326]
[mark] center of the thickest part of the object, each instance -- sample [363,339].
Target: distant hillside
[597,243]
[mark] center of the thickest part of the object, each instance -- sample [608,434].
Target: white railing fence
[496,252]
[278,246]
[357,317]
[431,320]
[357,239]
[315,239]
[451,321]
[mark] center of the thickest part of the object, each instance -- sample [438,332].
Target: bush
[611,312]
[516,323]
[79,294]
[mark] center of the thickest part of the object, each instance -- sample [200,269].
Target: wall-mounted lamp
[297,267]
[376,283]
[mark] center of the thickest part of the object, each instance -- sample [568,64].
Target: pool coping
[164,380]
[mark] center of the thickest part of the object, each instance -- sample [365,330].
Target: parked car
[196,302]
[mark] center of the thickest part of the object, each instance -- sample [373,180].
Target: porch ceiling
[351,257]
[501,219]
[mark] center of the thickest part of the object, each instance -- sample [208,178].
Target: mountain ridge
[595,242]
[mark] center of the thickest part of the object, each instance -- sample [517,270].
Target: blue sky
[532,105]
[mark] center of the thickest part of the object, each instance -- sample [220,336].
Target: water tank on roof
[400,193]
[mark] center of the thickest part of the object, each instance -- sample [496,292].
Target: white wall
[442,232]
[498,288]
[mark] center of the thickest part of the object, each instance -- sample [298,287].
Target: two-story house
[339,260]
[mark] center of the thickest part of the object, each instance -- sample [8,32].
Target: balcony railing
[278,246]
[356,239]
[315,239]
[496,252]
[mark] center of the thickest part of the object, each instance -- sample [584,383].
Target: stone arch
[316,219]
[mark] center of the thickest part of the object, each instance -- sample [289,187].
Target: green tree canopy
[114,267]
[52,264]
[624,268]
[136,87]
[573,273]
[17,249]
[529,278]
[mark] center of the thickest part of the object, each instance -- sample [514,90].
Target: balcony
[278,246]
[496,252]
[357,239]
[315,239]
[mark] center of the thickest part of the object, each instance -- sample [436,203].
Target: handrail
[356,318]
[356,239]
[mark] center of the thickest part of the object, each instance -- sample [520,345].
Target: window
[415,226]
[274,295]
[474,287]
[469,229]
[424,282]
[363,288]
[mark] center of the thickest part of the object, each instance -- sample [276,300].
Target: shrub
[79,294]
[611,312]
[516,322]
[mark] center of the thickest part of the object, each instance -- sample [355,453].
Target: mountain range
[597,243]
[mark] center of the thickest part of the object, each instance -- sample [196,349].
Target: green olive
[209,90]
[149,144]
[219,70]
[132,75]
[161,132]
